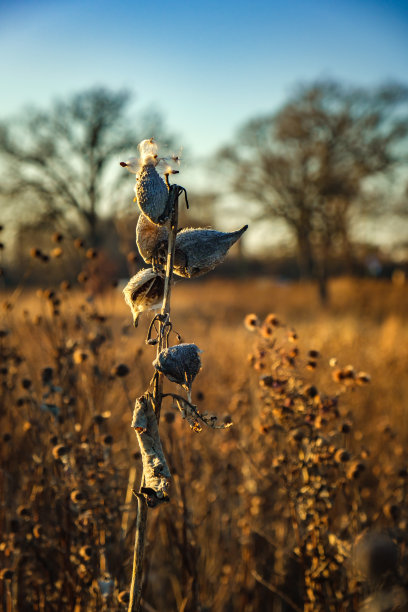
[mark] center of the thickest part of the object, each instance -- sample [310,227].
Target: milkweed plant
[185,253]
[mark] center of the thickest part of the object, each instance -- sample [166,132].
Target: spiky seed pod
[180,364]
[200,250]
[149,237]
[143,292]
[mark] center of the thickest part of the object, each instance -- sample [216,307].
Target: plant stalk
[141,520]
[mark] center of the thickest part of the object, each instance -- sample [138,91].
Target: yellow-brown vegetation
[301,504]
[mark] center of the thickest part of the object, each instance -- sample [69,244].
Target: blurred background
[292,118]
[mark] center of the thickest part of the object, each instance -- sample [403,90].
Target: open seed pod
[199,250]
[144,291]
[156,472]
[180,364]
[149,236]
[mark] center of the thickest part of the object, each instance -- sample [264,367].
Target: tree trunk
[305,255]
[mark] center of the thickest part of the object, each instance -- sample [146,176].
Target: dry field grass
[300,505]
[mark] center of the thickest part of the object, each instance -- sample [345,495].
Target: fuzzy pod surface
[143,292]
[152,194]
[200,250]
[180,363]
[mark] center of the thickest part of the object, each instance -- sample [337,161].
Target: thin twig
[275,590]
[164,320]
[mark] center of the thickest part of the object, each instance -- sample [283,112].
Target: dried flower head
[86,552]
[91,254]
[272,319]
[59,451]
[79,356]
[363,378]
[79,243]
[180,364]
[251,322]
[35,253]
[57,237]
[120,370]
[6,573]
[123,597]
[143,292]
[78,496]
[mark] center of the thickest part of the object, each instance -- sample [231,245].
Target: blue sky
[206,66]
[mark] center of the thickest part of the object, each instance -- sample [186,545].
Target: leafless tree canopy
[59,162]
[307,164]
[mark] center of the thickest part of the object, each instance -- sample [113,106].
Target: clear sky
[207,66]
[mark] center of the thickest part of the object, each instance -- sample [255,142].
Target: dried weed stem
[164,330]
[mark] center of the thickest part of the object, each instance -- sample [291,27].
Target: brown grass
[265,515]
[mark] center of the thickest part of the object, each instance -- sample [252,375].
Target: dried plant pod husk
[149,237]
[152,194]
[180,364]
[155,469]
[200,250]
[143,292]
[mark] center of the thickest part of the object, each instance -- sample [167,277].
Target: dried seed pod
[152,193]
[180,364]
[155,469]
[200,250]
[150,189]
[149,237]
[144,291]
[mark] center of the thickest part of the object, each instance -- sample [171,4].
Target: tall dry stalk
[188,253]
[164,322]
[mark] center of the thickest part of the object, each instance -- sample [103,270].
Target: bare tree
[308,163]
[58,163]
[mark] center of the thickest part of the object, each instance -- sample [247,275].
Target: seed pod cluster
[197,250]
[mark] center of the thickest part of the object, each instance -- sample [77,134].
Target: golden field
[299,505]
